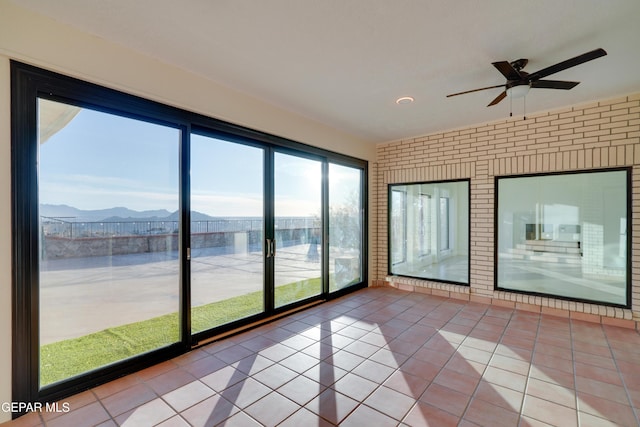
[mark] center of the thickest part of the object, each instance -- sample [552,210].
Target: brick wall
[597,135]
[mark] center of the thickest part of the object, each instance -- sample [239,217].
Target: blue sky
[100,160]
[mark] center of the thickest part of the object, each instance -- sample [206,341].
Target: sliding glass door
[139,229]
[227,205]
[345,226]
[297,253]
[108,199]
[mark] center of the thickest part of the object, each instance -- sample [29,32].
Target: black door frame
[28,83]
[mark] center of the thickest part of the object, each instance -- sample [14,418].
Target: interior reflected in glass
[429,230]
[564,235]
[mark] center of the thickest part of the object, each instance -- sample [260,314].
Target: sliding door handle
[267,248]
[270,248]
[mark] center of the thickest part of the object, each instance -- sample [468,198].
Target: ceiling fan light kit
[518,91]
[520,82]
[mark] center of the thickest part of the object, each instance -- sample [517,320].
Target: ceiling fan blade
[498,98]
[580,59]
[507,70]
[475,90]
[554,84]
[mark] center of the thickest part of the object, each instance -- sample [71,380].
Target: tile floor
[384,357]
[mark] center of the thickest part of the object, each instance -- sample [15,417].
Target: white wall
[37,40]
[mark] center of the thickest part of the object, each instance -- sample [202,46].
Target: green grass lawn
[65,359]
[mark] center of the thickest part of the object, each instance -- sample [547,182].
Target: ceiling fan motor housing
[520,64]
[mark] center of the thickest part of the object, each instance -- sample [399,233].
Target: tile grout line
[320,361]
[473,393]
[405,305]
[417,400]
[531,365]
[575,370]
[624,382]
[378,385]
[104,407]
[396,369]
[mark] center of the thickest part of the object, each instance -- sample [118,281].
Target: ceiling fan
[519,82]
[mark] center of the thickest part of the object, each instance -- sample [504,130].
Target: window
[298,228]
[398,226]
[108,270]
[424,224]
[346,225]
[444,224]
[565,235]
[429,231]
[140,230]
[227,231]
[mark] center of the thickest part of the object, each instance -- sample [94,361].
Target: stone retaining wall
[62,247]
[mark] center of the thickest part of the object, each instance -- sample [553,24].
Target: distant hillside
[120,214]
[117,214]
[195,216]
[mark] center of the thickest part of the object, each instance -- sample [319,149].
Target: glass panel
[398,226]
[298,228]
[109,272]
[227,206]
[564,235]
[429,231]
[444,223]
[424,224]
[345,226]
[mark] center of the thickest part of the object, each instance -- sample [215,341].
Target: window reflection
[564,235]
[429,231]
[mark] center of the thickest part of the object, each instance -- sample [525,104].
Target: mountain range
[117,214]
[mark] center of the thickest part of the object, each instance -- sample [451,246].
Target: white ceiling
[345,62]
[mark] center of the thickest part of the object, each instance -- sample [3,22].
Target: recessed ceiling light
[404,100]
